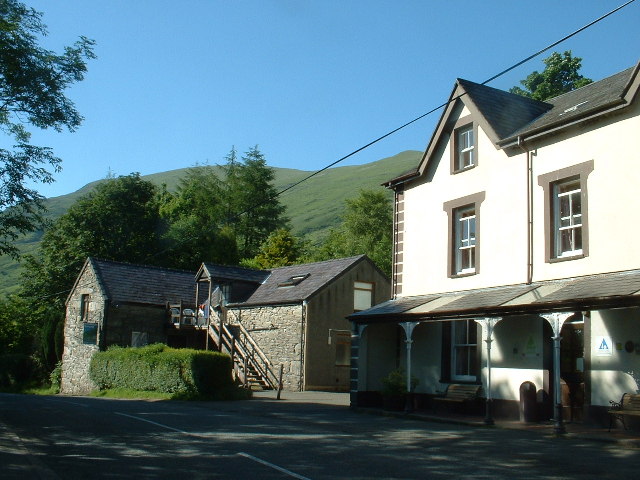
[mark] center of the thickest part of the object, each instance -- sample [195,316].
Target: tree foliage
[117,221]
[252,206]
[33,82]
[366,228]
[560,75]
[193,223]
[17,327]
[280,249]
[224,218]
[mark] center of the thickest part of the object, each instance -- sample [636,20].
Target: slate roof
[579,103]
[317,276]
[141,284]
[505,112]
[232,273]
[606,290]
[509,116]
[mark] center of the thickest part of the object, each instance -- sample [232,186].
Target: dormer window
[293,280]
[464,150]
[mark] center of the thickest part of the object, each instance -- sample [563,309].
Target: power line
[433,110]
[521,62]
[420,117]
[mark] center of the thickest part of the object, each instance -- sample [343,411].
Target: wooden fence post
[280,382]
[220,334]
[246,375]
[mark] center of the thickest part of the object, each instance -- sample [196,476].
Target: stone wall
[278,330]
[77,355]
[116,329]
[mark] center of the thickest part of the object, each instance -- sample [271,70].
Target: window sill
[465,169]
[567,258]
[464,274]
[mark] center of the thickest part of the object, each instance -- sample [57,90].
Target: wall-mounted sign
[603,346]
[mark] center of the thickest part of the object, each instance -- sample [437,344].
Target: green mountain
[313,207]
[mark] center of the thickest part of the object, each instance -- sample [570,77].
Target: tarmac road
[79,437]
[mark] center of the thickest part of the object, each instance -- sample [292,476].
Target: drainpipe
[303,333]
[529,209]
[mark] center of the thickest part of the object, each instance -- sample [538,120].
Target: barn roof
[296,283]
[143,284]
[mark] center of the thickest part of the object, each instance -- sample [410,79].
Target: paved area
[308,435]
[326,398]
[627,438]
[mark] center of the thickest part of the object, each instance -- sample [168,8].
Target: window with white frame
[464,234]
[464,349]
[362,295]
[567,218]
[465,147]
[465,239]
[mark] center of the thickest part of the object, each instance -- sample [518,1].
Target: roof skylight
[293,280]
[574,108]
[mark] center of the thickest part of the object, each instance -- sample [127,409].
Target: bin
[528,403]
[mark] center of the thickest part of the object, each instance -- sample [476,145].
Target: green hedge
[158,368]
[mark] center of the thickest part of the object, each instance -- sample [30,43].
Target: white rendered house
[515,262]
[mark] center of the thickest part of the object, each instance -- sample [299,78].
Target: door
[572,369]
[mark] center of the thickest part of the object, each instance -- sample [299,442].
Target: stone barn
[290,318]
[115,303]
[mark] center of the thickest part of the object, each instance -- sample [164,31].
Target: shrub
[55,378]
[395,383]
[158,368]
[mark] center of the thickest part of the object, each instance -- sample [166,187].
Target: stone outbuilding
[115,303]
[292,318]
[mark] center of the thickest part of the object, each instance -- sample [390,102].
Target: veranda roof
[606,290]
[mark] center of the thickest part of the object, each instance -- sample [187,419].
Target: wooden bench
[628,406]
[459,394]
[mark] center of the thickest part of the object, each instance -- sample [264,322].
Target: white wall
[503,228]
[616,371]
[517,356]
[612,194]
[502,243]
[426,352]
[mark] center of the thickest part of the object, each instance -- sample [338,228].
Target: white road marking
[77,404]
[152,423]
[271,465]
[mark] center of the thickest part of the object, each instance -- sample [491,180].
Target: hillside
[313,206]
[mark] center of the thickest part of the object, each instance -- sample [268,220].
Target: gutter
[542,131]
[410,175]
[577,305]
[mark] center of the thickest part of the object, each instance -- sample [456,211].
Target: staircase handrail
[262,364]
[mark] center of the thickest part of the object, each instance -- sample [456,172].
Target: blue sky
[178,83]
